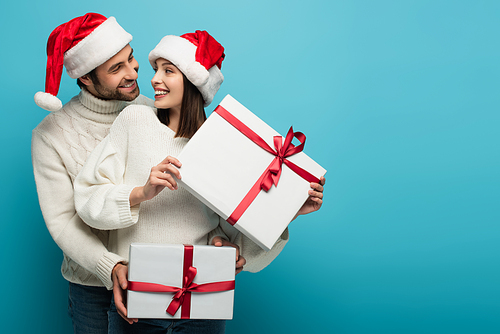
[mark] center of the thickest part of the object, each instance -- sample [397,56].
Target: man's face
[116,78]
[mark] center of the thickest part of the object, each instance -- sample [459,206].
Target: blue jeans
[88,308]
[164,326]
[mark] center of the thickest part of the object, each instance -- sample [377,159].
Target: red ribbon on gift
[182,295]
[273,172]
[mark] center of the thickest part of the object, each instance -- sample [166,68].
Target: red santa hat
[198,55]
[81,45]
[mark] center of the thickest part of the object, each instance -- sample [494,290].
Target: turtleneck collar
[102,111]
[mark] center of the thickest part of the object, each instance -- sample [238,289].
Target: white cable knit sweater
[60,146]
[137,142]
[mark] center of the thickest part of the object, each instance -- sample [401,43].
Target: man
[95,50]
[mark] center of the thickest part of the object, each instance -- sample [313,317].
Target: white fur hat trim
[99,46]
[47,101]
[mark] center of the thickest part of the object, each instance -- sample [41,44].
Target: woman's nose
[156,79]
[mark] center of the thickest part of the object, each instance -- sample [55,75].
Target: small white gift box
[181,281]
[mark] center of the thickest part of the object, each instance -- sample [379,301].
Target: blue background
[399,100]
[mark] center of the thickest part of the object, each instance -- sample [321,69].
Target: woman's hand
[315,199]
[161,176]
[240,260]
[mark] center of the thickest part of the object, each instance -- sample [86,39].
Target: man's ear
[85,79]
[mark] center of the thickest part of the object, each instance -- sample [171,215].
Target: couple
[120,186]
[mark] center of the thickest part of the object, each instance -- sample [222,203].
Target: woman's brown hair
[192,111]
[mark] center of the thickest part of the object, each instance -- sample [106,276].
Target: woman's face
[168,85]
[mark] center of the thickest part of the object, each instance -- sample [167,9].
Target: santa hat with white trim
[81,45]
[198,55]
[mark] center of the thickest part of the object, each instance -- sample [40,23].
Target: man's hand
[240,260]
[120,283]
[315,199]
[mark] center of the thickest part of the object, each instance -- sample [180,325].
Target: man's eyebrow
[114,66]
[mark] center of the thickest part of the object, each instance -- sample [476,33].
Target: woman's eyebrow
[166,63]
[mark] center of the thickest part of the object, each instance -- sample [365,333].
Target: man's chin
[130,96]
[117,94]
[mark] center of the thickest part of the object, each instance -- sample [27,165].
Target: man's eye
[131,58]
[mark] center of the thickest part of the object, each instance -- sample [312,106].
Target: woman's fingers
[316,188]
[322,180]
[164,179]
[316,194]
[173,161]
[170,165]
[163,175]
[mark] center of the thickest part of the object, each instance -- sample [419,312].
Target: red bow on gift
[188,286]
[273,172]
[283,150]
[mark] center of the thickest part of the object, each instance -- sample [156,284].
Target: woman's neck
[174,116]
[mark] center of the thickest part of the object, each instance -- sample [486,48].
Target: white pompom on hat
[198,55]
[81,45]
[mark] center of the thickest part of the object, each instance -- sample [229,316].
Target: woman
[110,189]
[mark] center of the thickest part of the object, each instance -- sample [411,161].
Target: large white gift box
[222,166]
[180,281]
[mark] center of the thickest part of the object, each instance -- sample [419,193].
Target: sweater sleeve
[55,193]
[101,197]
[256,257]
